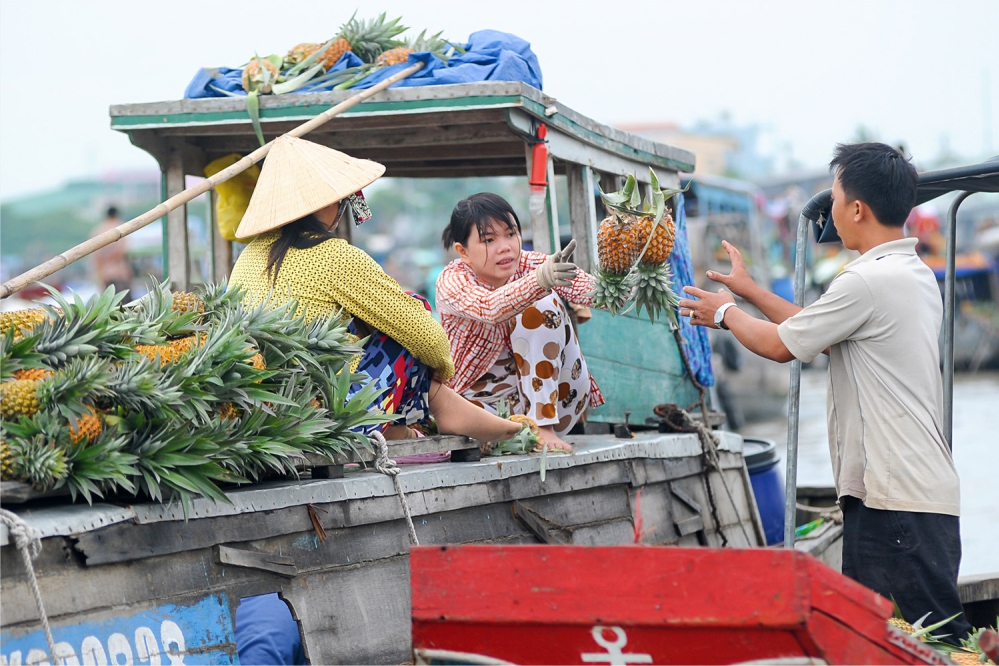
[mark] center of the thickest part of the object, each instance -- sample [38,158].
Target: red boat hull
[634,605]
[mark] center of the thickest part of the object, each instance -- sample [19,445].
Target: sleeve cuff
[793,346]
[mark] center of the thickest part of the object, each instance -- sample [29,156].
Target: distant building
[722,148]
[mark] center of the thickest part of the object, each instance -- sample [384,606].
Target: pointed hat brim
[300,177]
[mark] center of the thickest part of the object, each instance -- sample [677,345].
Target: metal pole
[41,271]
[794,395]
[948,322]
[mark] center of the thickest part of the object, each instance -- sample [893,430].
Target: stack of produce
[634,244]
[172,395]
[969,652]
[375,43]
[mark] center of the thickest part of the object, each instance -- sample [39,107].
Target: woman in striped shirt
[504,310]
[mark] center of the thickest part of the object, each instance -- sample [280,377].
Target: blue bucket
[761,460]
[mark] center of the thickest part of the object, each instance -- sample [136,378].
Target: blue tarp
[490,55]
[695,338]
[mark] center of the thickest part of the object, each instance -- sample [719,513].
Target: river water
[976,455]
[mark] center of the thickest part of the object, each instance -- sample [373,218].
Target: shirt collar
[901,246]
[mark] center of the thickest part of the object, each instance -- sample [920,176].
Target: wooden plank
[978,587]
[250,559]
[543,529]
[15,492]
[178,265]
[581,216]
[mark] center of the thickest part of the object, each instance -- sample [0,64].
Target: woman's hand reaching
[558,271]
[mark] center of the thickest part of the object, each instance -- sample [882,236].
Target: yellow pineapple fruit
[228,412]
[185,301]
[36,374]
[257,361]
[171,351]
[901,624]
[662,242]
[260,74]
[619,240]
[300,52]
[21,321]
[968,658]
[6,462]
[88,427]
[18,397]
[396,56]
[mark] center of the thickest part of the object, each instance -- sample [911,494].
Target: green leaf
[253,110]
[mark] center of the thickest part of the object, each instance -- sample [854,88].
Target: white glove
[557,271]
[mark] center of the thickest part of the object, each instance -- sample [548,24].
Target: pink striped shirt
[475,315]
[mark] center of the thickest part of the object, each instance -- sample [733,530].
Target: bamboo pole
[76,253]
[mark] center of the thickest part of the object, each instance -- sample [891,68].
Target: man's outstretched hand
[739,281]
[702,311]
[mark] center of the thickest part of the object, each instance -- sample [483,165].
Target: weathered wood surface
[350,593]
[506,94]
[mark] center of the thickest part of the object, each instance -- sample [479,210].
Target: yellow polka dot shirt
[334,275]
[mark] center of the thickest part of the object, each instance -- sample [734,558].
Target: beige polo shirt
[880,319]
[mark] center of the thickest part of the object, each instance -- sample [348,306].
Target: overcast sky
[808,72]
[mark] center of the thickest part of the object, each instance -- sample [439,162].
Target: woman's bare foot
[457,416]
[553,441]
[397,432]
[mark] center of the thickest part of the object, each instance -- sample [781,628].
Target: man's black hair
[880,176]
[112,212]
[480,210]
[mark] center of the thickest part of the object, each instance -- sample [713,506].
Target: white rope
[29,541]
[387,466]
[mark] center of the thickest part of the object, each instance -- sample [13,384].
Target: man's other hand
[739,281]
[702,311]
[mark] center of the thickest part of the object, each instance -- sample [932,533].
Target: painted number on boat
[614,649]
[169,635]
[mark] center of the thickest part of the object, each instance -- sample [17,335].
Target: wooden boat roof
[475,129]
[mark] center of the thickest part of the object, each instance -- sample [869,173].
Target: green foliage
[206,419]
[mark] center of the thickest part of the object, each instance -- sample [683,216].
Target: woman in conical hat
[304,191]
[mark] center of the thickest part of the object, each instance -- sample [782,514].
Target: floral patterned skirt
[404,379]
[544,375]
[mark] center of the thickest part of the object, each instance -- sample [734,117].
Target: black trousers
[911,557]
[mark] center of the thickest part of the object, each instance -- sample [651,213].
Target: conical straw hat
[300,177]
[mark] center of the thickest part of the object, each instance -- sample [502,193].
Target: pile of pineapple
[173,395]
[969,653]
[634,244]
[377,42]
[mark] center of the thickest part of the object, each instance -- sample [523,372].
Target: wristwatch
[720,315]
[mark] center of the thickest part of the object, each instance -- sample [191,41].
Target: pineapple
[257,361]
[36,374]
[901,625]
[39,462]
[636,233]
[300,52]
[227,412]
[172,350]
[260,75]
[21,321]
[87,427]
[19,397]
[185,301]
[6,462]
[366,39]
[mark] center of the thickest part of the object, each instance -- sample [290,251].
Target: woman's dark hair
[301,234]
[480,210]
[880,176]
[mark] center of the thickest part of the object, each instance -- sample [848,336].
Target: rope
[389,467]
[29,542]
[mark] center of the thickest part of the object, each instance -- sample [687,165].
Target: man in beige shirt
[879,322]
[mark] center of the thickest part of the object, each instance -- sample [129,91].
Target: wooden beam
[177,262]
[553,228]
[582,216]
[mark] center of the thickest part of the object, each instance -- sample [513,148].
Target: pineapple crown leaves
[100,466]
[81,328]
[435,44]
[40,461]
[137,386]
[369,38]
[155,320]
[350,413]
[82,382]
[18,354]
